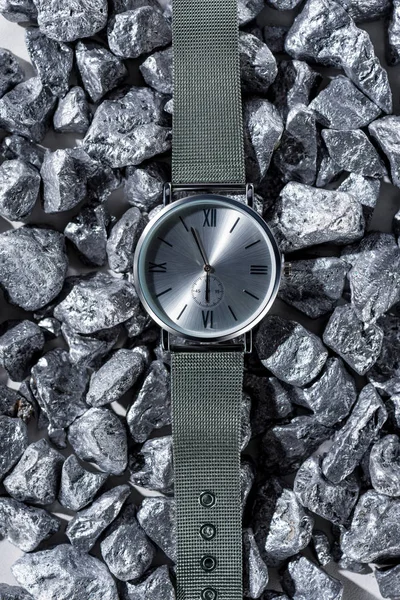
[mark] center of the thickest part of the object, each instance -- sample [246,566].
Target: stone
[67,23]
[257,64]
[352,151]
[384,466]
[357,344]
[328,170]
[100,70]
[20,344]
[305,216]
[139,31]
[64,573]
[247,477]
[151,467]
[126,549]
[24,526]
[88,233]
[386,133]
[128,130]
[270,401]
[99,436]
[73,113]
[157,71]
[19,189]
[157,586]
[315,285]
[88,524]
[393,33]
[59,387]
[15,146]
[143,185]
[389,582]
[97,301]
[52,60]
[248,10]
[332,396]
[89,350]
[18,11]
[13,442]
[385,373]
[14,404]
[295,83]
[78,486]
[291,352]
[286,446]
[283,4]
[255,571]
[11,72]
[101,179]
[342,106]
[27,109]
[356,436]
[123,239]
[303,579]
[275,37]
[64,181]
[333,502]
[325,33]
[151,408]
[157,517]
[366,10]
[12,592]
[35,478]
[374,534]
[322,547]
[281,526]
[365,189]
[118,375]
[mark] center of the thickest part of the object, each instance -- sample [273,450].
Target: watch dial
[207,267]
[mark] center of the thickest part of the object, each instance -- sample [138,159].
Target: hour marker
[165,241]
[258,269]
[157,267]
[253,244]
[252,295]
[164,292]
[184,224]
[232,313]
[210,217]
[234,225]
[181,313]
[208,318]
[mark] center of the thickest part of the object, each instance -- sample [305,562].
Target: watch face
[207,268]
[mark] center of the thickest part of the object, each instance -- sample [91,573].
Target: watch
[207,269]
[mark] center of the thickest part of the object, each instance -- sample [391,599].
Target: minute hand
[200,246]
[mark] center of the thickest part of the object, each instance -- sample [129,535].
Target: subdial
[207,293]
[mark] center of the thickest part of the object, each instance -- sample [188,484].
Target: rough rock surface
[11,72]
[13,442]
[384,466]
[67,23]
[64,181]
[157,518]
[19,189]
[389,582]
[52,60]
[151,467]
[352,151]
[257,64]
[143,185]
[386,132]
[99,69]
[73,113]
[20,343]
[88,232]
[294,84]
[123,239]
[78,486]
[255,571]
[24,526]
[157,71]
[385,374]
[156,585]
[139,31]
[304,579]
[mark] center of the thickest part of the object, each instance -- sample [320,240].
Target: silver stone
[24,526]
[27,109]
[394,35]
[12,592]
[247,477]
[248,10]
[270,401]
[64,573]
[157,71]
[128,130]
[13,441]
[88,524]
[281,526]
[272,595]
[73,112]
[356,436]
[353,152]
[139,31]
[19,189]
[78,486]
[99,436]
[120,6]
[324,32]
[88,232]
[100,70]
[366,10]
[16,146]
[389,582]
[322,547]
[97,301]
[284,4]
[255,571]
[60,386]
[328,170]
[123,238]
[365,189]
[357,344]
[384,466]
[18,11]
[144,184]
[343,106]
[258,65]
[333,502]
[151,408]
[303,579]
[89,350]
[385,374]
[126,549]
[64,181]
[20,343]
[10,71]
[14,404]
[117,375]
[151,467]
[33,264]
[52,60]
[304,216]
[291,352]
[295,82]
[66,23]
[35,479]
[386,132]
[157,517]
[101,179]
[156,586]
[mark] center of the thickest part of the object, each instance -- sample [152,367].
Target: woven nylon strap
[206,400]
[207,121]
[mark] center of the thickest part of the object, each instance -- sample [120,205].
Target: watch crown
[287,269]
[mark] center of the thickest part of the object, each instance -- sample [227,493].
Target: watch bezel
[276,255]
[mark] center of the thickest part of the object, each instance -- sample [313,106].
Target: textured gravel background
[357,587]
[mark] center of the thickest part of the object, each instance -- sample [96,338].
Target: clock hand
[200,247]
[208,286]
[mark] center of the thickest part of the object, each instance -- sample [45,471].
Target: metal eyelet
[207,499]
[209,594]
[208,531]
[208,563]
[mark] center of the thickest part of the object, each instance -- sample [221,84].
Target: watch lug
[248,342]
[167,193]
[165,340]
[250,195]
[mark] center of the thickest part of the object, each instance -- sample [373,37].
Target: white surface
[356,587]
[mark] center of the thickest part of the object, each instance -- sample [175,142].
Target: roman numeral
[210,217]
[157,267]
[258,269]
[208,318]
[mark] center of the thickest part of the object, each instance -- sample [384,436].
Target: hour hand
[200,246]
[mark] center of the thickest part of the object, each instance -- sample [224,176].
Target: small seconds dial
[207,267]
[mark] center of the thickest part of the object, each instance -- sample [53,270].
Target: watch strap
[207,115]
[206,391]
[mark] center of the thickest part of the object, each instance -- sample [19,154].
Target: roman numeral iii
[258,269]
[157,268]
[208,318]
[210,217]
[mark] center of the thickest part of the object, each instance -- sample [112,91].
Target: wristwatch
[207,269]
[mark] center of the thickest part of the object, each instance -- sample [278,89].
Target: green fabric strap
[207,116]
[206,400]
